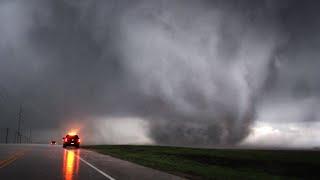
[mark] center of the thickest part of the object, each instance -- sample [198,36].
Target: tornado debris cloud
[199,73]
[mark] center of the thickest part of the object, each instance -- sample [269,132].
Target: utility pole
[7,134]
[19,124]
[29,139]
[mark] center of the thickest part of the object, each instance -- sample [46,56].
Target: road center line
[11,159]
[95,168]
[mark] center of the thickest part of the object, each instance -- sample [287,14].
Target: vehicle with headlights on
[71,140]
[53,142]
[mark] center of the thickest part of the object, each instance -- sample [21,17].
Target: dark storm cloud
[293,84]
[195,70]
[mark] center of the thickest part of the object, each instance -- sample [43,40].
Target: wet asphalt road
[53,162]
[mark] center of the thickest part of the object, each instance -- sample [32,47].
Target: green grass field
[196,163]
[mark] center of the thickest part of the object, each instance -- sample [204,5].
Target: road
[53,162]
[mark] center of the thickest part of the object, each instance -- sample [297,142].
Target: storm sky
[172,72]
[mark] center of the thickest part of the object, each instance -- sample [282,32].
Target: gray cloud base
[195,70]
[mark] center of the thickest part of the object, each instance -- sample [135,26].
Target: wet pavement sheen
[53,162]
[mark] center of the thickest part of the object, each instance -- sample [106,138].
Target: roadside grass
[197,163]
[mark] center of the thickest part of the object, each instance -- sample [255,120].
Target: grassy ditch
[196,163]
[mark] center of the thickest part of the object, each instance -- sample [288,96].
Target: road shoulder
[121,169]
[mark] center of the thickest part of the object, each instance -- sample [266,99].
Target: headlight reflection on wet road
[70,163]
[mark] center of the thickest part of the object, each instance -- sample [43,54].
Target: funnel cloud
[194,73]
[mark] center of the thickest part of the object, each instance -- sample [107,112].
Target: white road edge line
[95,168]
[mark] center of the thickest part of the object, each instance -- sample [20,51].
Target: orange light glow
[72,133]
[70,164]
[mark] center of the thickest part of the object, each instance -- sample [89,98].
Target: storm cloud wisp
[198,73]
